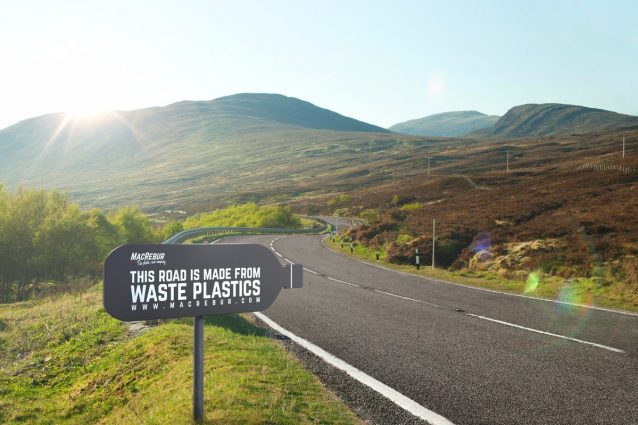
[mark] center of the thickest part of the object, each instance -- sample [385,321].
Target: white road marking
[278,254]
[311,271]
[445,282]
[405,298]
[344,282]
[393,395]
[217,240]
[285,259]
[616,350]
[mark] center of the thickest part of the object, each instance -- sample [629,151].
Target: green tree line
[45,238]
[246,215]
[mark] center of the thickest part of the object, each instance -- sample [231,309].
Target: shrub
[412,206]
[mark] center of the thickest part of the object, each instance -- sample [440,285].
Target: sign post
[198,368]
[148,282]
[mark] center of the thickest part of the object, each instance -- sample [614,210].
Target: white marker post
[433,240]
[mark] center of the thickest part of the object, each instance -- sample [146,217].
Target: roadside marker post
[433,240]
[351,246]
[149,282]
[418,262]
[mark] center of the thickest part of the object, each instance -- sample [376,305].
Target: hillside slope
[187,152]
[446,124]
[554,118]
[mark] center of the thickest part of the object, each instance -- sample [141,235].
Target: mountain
[548,119]
[223,150]
[446,124]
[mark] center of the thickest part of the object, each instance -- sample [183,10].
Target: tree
[105,233]
[132,226]
[65,246]
[171,228]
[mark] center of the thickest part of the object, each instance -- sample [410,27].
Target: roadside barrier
[209,231]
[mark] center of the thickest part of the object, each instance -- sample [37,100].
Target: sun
[83,112]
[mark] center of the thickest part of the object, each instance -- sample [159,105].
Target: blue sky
[381,62]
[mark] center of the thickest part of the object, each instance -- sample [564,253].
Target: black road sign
[146,282]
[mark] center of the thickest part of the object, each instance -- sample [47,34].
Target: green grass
[64,360]
[585,291]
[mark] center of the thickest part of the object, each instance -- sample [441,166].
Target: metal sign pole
[198,369]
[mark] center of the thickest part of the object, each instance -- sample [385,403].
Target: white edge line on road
[343,281]
[396,397]
[278,254]
[287,260]
[445,282]
[616,350]
[405,298]
[311,271]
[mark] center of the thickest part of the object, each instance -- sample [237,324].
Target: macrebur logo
[146,258]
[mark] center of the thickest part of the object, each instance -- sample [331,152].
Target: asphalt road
[474,357]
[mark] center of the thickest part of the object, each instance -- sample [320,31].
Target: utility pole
[428,158]
[433,240]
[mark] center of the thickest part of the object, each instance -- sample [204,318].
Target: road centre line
[393,395]
[616,350]
[343,281]
[405,298]
[311,271]
[605,347]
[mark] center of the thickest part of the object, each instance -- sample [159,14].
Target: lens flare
[482,242]
[533,279]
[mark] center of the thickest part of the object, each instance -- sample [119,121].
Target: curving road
[472,356]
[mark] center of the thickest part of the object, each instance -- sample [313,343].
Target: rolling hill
[548,119]
[446,124]
[234,148]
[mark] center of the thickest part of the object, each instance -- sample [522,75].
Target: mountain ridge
[547,119]
[188,149]
[446,124]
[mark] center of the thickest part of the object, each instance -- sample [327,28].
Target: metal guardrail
[206,231]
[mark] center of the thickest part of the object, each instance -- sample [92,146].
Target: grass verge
[616,295]
[64,360]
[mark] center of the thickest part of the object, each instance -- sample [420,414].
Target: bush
[246,215]
[339,200]
[412,206]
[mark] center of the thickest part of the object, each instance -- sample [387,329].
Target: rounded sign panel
[146,282]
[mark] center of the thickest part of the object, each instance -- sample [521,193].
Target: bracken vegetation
[554,214]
